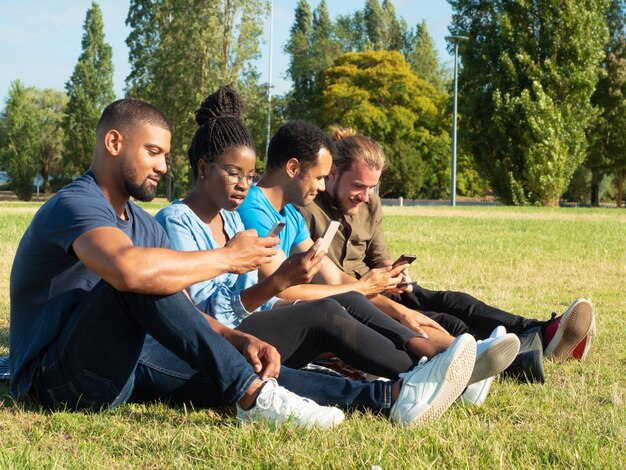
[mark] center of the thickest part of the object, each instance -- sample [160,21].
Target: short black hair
[297,139]
[127,113]
[221,128]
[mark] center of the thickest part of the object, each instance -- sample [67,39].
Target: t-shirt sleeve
[256,218]
[302,232]
[178,232]
[72,217]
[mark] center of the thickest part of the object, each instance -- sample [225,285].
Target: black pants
[461,313]
[347,325]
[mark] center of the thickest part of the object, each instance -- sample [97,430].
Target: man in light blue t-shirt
[299,159]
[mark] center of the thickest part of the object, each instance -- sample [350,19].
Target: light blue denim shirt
[220,296]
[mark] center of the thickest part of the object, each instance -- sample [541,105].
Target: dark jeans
[104,358]
[347,325]
[461,313]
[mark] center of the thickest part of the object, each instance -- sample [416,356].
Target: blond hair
[353,147]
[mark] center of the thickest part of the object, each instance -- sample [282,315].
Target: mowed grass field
[530,261]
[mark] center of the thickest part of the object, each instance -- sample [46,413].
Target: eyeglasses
[235,176]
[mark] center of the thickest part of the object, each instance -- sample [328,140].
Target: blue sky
[40,39]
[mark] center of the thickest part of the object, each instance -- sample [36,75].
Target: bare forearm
[315,291]
[255,296]
[387,305]
[163,271]
[234,337]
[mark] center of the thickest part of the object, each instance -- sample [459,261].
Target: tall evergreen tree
[313,47]
[300,69]
[396,29]
[142,42]
[423,57]
[374,22]
[90,89]
[525,88]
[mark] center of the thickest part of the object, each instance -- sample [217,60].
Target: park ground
[531,261]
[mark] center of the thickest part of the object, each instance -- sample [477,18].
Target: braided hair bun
[221,127]
[224,102]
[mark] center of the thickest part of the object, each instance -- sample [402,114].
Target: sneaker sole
[496,359]
[591,336]
[574,326]
[454,382]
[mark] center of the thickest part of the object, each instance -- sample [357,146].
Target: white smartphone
[278,226]
[329,234]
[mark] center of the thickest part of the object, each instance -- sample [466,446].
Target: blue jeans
[122,346]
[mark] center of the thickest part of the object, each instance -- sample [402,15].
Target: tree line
[540,97]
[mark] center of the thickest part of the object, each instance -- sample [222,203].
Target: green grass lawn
[530,261]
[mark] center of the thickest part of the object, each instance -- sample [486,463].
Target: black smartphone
[404,259]
[278,226]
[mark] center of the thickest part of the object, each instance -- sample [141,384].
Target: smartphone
[404,259]
[329,234]
[278,226]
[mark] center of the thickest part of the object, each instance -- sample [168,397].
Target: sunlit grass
[531,261]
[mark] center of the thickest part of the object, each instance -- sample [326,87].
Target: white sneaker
[431,387]
[476,393]
[493,355]
[276,404]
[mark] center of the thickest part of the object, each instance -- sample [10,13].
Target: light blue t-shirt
[220,296]
[256,212]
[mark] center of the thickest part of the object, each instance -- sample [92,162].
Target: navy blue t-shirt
[48,280]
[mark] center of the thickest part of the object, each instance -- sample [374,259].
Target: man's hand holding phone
[380,279]
[300,268]
[405,284]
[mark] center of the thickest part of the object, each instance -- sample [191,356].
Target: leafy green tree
[374,22]
[142,42]
[50,113]
[525,87]
[300,69]
[351,33]
[313,47]
[376,93]
[194,46]
[395,28]
[90,90]
[607,134]
[31,136]
[20,140]
[422,55]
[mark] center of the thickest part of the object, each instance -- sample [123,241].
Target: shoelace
[421,362]
[282,400]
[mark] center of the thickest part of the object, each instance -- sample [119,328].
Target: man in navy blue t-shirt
[99,315]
